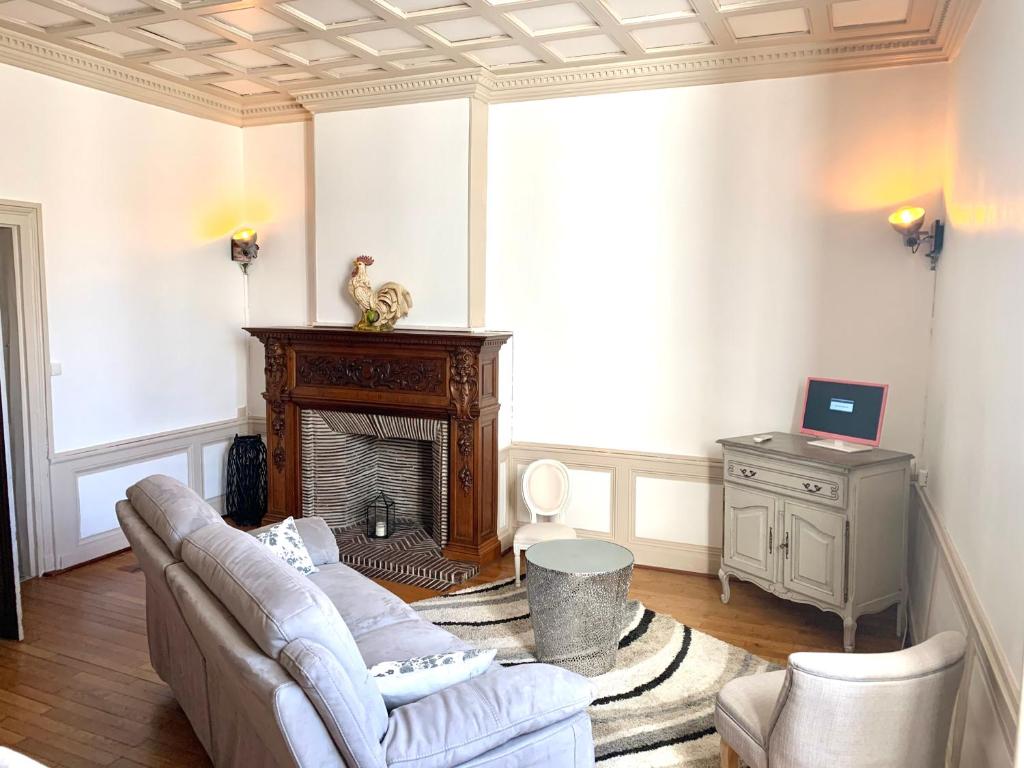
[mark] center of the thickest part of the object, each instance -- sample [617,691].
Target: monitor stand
[840,445]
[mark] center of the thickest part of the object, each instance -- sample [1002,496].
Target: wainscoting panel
[680,511]
[215,465]
[943,598]
[86,483]
[666,509]
[100,490]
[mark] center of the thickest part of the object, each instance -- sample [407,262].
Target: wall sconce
[244,248]
[908,222]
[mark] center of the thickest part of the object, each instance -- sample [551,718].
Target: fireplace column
[434,374]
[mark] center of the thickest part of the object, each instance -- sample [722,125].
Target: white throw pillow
[285,542]
[402,682]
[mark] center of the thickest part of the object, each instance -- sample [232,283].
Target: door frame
[26,222]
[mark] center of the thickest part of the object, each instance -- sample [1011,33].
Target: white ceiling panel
[855,13]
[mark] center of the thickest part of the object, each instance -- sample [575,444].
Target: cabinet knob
[812,487]
[748,472]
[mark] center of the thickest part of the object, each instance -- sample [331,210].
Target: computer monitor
[849,413]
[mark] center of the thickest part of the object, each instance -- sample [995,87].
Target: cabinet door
[814,552]
[749,535]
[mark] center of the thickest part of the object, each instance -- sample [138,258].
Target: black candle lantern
[380,516]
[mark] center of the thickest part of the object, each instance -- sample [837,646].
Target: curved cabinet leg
[849,634]
[724,578]
[901,618]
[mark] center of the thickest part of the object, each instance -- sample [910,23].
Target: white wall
[393,183]
[972,433]
[144,304]
[279,205]
[673,263]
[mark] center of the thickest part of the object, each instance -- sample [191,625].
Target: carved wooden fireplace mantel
[449,375]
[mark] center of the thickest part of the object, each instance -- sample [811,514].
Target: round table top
[579,556]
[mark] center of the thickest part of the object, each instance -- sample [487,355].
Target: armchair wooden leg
[729,757]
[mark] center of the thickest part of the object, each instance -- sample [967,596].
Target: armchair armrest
[459,723]
[317,536]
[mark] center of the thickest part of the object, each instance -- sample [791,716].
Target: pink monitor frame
[846,438]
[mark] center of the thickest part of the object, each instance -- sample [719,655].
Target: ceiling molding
[935,41]
[57,61]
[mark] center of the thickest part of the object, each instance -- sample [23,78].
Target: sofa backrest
[260,716]
[277,605]
[172,510]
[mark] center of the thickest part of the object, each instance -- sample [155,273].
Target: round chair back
[546,488]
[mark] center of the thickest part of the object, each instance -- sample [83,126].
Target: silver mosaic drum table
[577,593]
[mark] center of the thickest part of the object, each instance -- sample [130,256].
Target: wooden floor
[80,692]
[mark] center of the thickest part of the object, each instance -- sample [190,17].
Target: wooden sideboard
[817,526]
[442,374]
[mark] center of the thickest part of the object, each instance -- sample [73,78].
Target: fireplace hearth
[412,413]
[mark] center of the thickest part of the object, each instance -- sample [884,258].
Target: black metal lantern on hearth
[380,516]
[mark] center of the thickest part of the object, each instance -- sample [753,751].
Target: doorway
[24,368]
[15,486]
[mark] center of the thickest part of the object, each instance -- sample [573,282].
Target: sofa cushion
[406,639]
[315,669]
[276,605]
[403,682]
[363,605]
[455,725]
[171,509]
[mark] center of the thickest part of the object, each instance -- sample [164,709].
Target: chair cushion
[457,724]
[171,509]
[276,605]
[534,533]
[363,605]
[316,670]
[406,639]
[743,713]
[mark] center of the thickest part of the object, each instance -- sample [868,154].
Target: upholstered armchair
[872,710]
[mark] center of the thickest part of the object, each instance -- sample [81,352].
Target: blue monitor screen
[844,409]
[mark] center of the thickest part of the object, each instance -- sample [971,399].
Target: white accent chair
[841,710]
[546,493]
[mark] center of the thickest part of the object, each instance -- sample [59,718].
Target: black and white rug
[655,708]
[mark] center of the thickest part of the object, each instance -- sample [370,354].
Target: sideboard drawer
[793,480]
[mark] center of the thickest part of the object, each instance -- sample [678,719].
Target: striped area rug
[655,708]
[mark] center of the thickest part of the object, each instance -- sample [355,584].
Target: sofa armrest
[317,536]
[458,723]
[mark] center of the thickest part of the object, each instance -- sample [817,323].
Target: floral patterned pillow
[285,542]
[402,682]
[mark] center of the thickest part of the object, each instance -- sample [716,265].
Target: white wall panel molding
[86,483]
[943,597]
[699,554]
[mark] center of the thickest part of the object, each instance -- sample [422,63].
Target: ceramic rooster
[379,309]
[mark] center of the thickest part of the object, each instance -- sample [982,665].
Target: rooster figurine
[380,309]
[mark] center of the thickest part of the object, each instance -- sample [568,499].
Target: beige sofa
[270,666]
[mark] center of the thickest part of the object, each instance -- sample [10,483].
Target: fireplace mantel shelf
[424,336]
[437,373]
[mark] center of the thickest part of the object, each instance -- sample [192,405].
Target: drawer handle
[748,472]
[812,487]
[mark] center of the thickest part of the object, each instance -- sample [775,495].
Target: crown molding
[941,44]
[48,59]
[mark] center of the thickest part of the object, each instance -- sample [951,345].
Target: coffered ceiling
[253,61]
